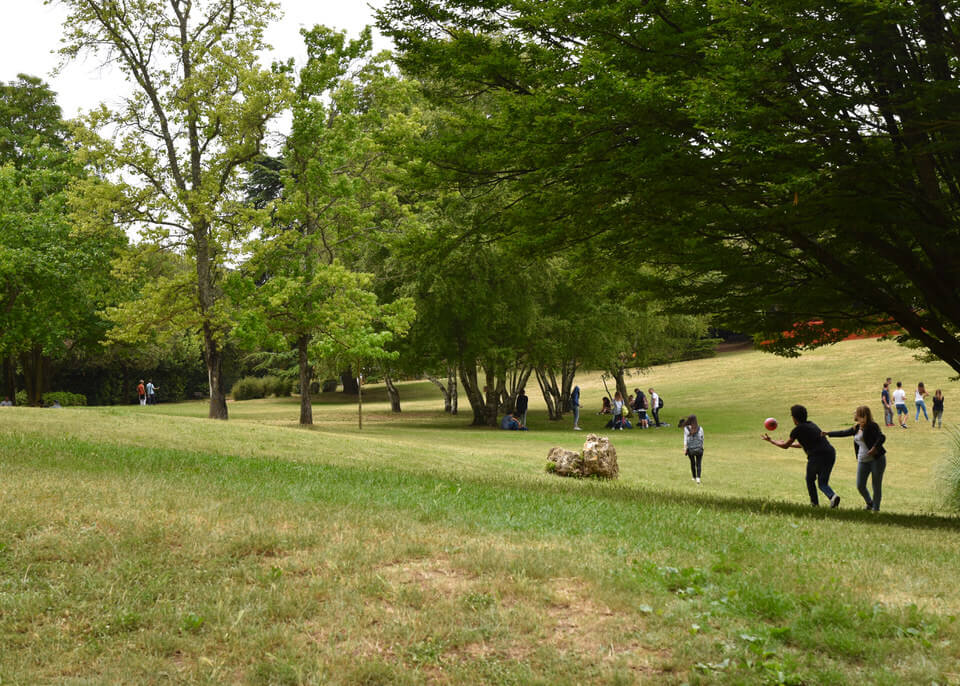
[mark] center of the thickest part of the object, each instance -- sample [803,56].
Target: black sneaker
[834,501]
[869,506]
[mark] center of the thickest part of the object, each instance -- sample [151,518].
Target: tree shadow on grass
[783,508]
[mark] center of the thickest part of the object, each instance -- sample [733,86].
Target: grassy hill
[150,545]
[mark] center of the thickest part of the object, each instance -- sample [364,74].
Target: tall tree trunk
[9,380]
[621,383]
[359,404]
[568,371]
[34,366]
[468,377]
[213,356]
[306,378]
[452,387]
[206,294]
[445,390]
[551,394]
[392,391]
[494,400]
[518,379]
[349,382]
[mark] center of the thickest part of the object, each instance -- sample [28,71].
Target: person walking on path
[937,409]
[575,402]
[141,393]
[693,444]
[918,399]
[655,407]
[900,402]
[887,404]
[821,456]
[868,442]
[521,407]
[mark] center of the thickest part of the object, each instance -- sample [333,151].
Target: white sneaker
[577,428]
[698,479]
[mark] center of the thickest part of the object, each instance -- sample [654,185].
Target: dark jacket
[872,436]
[521,405]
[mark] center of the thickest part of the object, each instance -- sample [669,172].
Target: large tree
[54,275]
[198,113]
[785,163]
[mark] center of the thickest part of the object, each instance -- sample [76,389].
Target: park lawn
[150,545]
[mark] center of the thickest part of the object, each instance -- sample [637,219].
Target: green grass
[149,545]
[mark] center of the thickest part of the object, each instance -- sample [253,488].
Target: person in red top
[142,393]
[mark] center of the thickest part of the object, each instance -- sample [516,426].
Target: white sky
[30,35]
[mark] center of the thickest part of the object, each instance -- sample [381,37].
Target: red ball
[770,424]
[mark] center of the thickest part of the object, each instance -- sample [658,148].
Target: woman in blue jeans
[868,442]
[918,400]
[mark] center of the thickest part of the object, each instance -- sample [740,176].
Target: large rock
[568,463]
[598,458]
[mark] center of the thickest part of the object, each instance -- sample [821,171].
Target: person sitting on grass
[605,407]
[821,456]
[511,423]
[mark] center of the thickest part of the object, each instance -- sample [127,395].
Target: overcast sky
[30,34]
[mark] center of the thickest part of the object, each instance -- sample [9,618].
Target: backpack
[659,402]
[694,441]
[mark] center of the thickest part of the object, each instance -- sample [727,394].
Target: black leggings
[696,462]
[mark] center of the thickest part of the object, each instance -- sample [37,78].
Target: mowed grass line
[218,568]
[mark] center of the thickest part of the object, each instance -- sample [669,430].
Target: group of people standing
[147,395]
[897,401]
[637,403]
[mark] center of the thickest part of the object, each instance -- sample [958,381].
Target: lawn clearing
[147,545]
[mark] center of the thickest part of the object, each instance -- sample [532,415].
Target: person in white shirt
[900,402]
[655,407]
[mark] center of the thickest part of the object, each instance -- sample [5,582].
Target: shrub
[950,475]
[65,398]
[248,388]
[21,398]
[275,385]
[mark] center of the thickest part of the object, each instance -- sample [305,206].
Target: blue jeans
[888,415]
[875,467]
[921,406]
[576,415]
[818,475]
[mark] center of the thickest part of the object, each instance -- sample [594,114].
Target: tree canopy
[780,163]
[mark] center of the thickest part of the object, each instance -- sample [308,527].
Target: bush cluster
[950,475]
[65,398]
[251,387]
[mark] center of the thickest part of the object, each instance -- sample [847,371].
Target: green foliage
[251,387]
[65,398]
[778,165]
[949,474]
[54,275]
[196,117]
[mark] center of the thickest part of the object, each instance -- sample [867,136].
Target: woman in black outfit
[868,442]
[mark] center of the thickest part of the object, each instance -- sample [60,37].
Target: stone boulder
[598,458]
[565,462]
